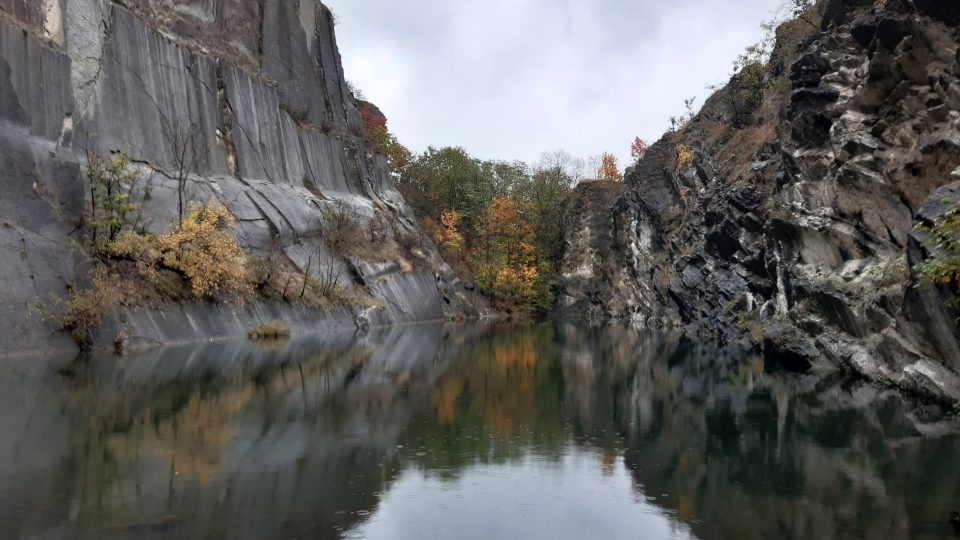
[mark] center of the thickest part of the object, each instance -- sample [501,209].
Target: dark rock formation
[259,89]
[794,227]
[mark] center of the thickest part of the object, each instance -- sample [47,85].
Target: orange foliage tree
[608,168]
[376,132]
[507,263]
[449,237]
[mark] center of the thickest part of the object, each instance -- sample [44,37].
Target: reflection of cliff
[237,441]
[222,436]
[240,101]
[737,453]
[728,449]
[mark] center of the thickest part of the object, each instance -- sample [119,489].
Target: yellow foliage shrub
[82,311]
[201,249]
[684,156]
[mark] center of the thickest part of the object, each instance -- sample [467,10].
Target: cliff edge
[785,213]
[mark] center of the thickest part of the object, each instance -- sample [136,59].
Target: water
[421,432]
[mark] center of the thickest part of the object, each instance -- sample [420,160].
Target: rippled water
[419,432]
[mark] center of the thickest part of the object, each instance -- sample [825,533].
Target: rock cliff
[793,226]
[254,93]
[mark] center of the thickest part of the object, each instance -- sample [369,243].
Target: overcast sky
[510,79]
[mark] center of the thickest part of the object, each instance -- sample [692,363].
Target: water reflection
[467,432]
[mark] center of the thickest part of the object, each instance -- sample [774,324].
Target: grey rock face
[805,245]
[255,91]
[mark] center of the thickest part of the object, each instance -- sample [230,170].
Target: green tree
[113,183]
[506,177]
[449,179]
[943,268]
[544,196]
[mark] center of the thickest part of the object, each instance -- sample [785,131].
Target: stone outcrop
[255,91]
[795,229]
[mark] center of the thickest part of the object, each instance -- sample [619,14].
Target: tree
[377,134]
[449,237]
[512,234]
[544,195]
[572,167]
[750,72]
[798,8]
[505,176]
[201,249]
[204,249]
[449,179]
[181,136]
[638,149]
[507,265]
[608,168]
[182,141]
[112,186]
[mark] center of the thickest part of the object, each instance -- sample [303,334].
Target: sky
[511,79]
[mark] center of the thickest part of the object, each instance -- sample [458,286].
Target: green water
[552,432]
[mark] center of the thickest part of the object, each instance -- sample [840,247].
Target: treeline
[499,223]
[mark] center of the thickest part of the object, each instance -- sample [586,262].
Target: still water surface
[547,432]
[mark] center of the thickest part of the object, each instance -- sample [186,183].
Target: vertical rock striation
[255,89]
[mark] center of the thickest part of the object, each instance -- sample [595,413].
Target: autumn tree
[377,134]
[501,222]
[638,149]
[201,249]
[508,265]
[449,237]
[684,156]
[512,234]
[608,168]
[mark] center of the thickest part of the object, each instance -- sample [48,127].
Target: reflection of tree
[495,403]
[727,449]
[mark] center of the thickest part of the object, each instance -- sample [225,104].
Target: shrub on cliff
[83,310]
[943,268]
[201,249]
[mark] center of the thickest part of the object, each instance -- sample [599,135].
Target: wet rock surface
[802,241]
[274,134]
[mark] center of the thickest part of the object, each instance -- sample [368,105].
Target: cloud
[509,79]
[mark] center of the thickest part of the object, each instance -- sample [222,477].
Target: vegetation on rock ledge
[943,268]
[197,259]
